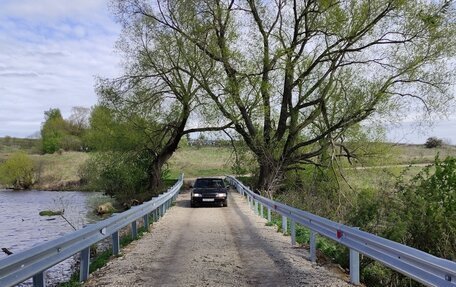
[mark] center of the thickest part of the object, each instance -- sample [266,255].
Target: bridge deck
[213,247]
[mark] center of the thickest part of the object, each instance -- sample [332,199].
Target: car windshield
[209,183]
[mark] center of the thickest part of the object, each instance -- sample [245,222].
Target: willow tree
[152,102]
[293,76]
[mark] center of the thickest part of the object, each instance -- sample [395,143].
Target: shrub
[429,201]
[121,175]
[70,142]
[433,142]
[17,171]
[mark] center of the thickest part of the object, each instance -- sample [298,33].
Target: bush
[429,201]
[120,175]
[17,172]
[433,142]
[70,142]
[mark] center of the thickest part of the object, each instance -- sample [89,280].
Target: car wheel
[225,203]
[192,204]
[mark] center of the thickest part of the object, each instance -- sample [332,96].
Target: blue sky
[52,50]
[50,53]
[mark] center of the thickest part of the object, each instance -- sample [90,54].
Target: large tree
[293,76]
[154,98]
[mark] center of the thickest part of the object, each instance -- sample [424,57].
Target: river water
[21,226]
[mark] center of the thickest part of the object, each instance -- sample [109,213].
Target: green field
[56,171]
[203,161]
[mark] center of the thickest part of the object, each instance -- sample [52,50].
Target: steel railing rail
[413,263]
[33,262]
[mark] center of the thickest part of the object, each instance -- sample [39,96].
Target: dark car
[209,191]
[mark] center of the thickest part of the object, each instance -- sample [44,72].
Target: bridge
[229,246]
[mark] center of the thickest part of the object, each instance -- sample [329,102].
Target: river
[21,226]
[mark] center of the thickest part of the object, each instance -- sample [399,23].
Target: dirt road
[213,246]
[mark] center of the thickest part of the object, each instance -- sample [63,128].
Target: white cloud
[50,53]
[53,9]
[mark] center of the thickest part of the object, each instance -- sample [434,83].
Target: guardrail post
[261,210]
[354,267]
[134,230]
[84,265]
[256,207]
[146,221]
[313,246]
[293,233]
[38,280]
[269,215]
[284,224]
[115,243]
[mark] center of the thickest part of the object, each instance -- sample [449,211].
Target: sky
[51,52]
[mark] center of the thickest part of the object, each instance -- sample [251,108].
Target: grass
[403,154]
[416,154]
[203,161]
[60,171]
[54,170]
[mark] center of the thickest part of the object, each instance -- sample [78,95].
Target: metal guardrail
[33,262]
[413,263]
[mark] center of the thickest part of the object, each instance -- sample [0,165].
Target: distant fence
[413,263]
[33,262]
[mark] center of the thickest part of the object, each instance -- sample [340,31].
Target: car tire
[192,204]
[225,203]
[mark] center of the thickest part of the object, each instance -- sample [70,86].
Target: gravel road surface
[213,246]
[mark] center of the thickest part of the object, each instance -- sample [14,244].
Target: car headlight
[196,195]
[221,195]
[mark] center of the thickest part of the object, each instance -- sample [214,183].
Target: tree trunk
[155,175]
[269,178]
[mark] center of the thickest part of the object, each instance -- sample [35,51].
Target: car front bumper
[208,200]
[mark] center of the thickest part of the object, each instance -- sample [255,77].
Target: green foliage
[71,142]
[108,132]
[429,208]
[53,131]
[125,153]
[100,260]
[17,171]
[119,174]
[315,189]
[417,212]
[60,134]
[416,209]
[242,160]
